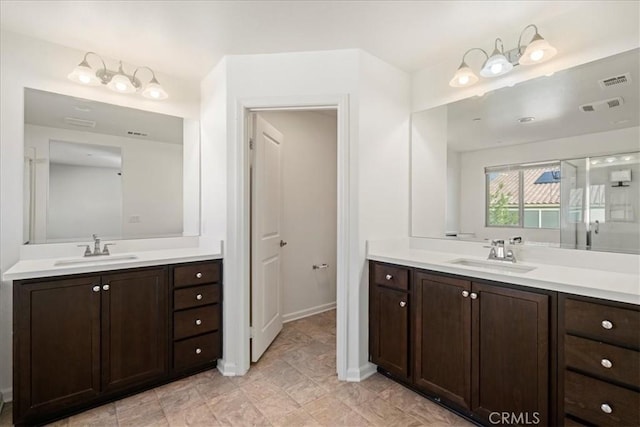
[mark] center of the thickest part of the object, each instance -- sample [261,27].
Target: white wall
[613,28]
[472,178]
[27,62]
[309,216]
[452,211]
[378,167]
[151,182]
[84,200]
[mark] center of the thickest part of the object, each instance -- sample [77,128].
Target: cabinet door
[389,334]
[135,328]
[56,345]
[510,353]
[443,337]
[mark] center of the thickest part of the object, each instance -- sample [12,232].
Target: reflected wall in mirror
[96,168]
[535,160]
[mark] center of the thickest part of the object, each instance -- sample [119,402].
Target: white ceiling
[51,109]
[554,103]
[187,38]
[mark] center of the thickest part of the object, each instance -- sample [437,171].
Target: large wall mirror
[555,160]
[96,168]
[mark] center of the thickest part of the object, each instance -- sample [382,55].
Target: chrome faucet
[498,252]
[96,247]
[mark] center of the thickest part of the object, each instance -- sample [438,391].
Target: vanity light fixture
[118,81]
[538,50]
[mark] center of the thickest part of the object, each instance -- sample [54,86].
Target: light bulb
[611,159]
[463,77]
[121,83]
[121,86]
[496,68]
[83,74]
[153,90]
[536,55]
[463,80]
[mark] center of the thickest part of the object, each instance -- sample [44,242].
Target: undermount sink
[98,259]
[493,265]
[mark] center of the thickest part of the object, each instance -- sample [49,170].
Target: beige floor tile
[136,400]
[261,389]
[104,415]
[276,406]
[215,386]
[6,417]
[305,391]
[380,413]
[400,397]
[297,418]
[146,414]
[283,374]
[199,416]
[331,412]
[353,394]
[377,383]
[185,398]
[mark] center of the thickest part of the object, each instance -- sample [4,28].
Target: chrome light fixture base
[105,77]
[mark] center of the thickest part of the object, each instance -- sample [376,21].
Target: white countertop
[46,267]
[615,286]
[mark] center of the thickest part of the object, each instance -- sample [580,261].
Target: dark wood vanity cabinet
[389,308]
[477,347]
[86,339]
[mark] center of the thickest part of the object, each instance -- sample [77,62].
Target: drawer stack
[602,363]
[197,315]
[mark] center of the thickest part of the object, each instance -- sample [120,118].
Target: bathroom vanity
[518,348]
[84,339]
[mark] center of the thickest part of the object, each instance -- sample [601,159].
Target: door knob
[96,288]
[198,322]
[199,297]
[473,295]
[388,277]
[105,287]
[403,303]
[465,294]
[606,363]
[199,275]
[607,324]
[283,243]
[198,350]
[607,409]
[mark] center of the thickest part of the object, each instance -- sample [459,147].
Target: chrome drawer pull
[473,295]
[465,294]
[198,350]
[198,322]
[96,288]
[606,363]
[199,275]
[606,408]
[105,287]
[606,324]
[388,277]
[403,303]
[199,297]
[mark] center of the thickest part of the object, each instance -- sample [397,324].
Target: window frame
[520,168]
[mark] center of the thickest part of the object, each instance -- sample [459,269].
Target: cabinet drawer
[196,351]
[608,361]
[603,322]
[395,277]
[590,400]
[196,321]
[187,275]
[196,296]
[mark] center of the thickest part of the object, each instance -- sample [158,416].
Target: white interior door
[266,208]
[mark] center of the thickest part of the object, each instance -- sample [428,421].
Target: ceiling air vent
[73,121]
[623,79]
[137,133]
[602,105]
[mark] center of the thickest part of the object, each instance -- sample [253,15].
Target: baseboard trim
[361,373]
[296,315]
[227,369]
[6,395]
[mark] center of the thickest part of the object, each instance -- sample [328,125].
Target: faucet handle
[105,251]
[515,240]
[497,242]
[87,249]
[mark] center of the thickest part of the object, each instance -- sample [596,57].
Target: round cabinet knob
[105,287]
[465,294]
[473,295]
[606,408]
[606,324]
[198,350]
[96,288]
[606,363]
[403,303]
[388,277]
[199,297]
[199,275]
[198,322]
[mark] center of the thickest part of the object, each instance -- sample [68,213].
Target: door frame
[238,246]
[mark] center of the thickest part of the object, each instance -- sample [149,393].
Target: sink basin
[97,259]
[493,265]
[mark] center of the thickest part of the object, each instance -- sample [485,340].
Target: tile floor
[293,384]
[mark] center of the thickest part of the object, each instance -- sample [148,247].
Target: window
[523,196]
